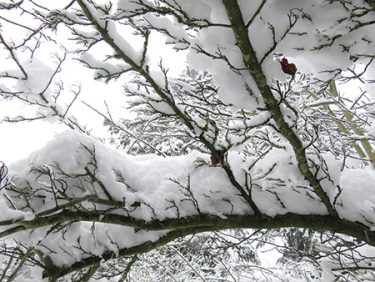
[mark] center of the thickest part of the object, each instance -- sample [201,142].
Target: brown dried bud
[287,68]
[215,157]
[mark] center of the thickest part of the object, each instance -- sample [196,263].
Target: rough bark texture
[255,69]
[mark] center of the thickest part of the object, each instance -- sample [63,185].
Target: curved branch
[192,225]
[205,221]
[10,49]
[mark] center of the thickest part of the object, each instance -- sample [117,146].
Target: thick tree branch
[315,222]
[255,69]
[196,224]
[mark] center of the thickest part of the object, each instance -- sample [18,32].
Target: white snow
[151,187]
[148,180]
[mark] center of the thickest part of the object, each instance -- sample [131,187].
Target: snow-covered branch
[257,131]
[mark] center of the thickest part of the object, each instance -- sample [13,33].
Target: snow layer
[152,187]
[147,178]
